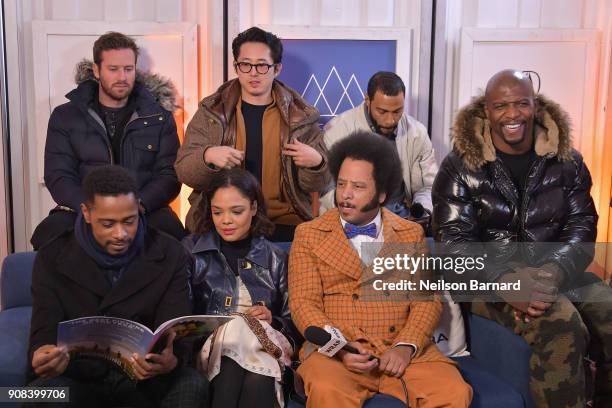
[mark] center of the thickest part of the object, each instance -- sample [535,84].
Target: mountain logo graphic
[334,96]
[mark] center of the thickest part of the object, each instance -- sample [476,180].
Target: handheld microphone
[417,210]
[322,338]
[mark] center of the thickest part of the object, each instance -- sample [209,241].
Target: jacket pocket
[147,143]
[144,152]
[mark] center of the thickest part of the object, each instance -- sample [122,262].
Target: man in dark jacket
[112,265]
[258,123]
[514,177]
[111,118]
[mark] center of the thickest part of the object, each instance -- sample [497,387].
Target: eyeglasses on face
[246,67]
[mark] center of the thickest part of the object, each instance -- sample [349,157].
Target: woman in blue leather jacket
[235,269]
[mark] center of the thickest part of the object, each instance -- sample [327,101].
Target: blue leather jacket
[215,287]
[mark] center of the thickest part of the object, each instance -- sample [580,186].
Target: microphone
[417,210]
[329,345]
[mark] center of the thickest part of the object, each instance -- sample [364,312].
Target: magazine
[116,339]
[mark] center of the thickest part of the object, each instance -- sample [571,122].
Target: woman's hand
[260,312]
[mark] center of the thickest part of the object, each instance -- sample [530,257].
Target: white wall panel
[469,13]
[261,12]
[92,10]
[529,13]
[283,12]
[405,14]
[561,13]
[241,14]
[497,13]
[142,10]
[306,12]
[354,13]
[38,8]
[116,10]
[169,10]
[380,13]
[64,9]
[289,12]
[190,11]
[594,14]
[340,12]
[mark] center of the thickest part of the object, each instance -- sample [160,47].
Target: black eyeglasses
[535,74]
[246,67]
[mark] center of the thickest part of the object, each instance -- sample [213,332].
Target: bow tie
[352,231]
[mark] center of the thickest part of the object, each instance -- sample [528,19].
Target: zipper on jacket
[525,198]
[98,120]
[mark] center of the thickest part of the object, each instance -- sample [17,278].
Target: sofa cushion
[489,390]
[486,339]
[16,280]
[449,335]
[14,335]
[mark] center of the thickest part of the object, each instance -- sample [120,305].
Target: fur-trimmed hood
[471,133]
[161,88]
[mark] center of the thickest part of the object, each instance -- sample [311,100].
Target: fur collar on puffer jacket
[471,133]
[160,87]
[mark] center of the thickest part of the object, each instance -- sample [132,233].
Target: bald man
[513,177]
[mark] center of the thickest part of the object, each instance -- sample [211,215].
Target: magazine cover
[116,339]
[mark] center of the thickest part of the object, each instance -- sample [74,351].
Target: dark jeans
[182,388]
[59,221]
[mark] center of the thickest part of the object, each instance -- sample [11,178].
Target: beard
[379,130]
[116,94]
[126,243]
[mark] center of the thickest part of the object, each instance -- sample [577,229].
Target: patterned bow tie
[352,231]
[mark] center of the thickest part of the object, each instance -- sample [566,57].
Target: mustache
[346,204]
[119,241]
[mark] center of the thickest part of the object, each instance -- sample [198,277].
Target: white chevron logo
[321,89]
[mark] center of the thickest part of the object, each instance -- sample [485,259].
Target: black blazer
[68,284]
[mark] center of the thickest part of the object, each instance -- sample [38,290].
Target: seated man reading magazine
[111,265]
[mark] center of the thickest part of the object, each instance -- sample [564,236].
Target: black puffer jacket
[475,199]
[77,142]
[265,277]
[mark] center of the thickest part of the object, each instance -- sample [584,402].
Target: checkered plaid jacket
[328,284]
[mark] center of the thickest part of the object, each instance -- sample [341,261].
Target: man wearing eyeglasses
[258,123]
[513,177]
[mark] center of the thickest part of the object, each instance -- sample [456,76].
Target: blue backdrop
[333,74]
